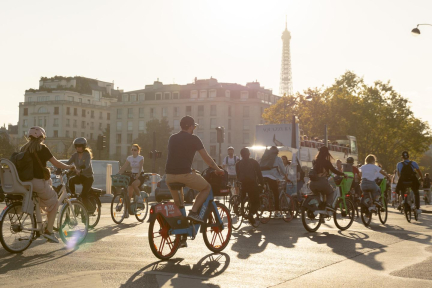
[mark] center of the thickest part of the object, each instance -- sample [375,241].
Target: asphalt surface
[276,254]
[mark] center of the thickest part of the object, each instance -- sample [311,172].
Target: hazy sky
[136,42]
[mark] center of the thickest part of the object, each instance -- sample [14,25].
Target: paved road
[274,255]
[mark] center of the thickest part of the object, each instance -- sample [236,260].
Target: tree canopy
[378,116]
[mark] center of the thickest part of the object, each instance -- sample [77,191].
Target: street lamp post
[416,31]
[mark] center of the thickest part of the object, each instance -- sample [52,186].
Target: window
[75,111]
[194,94]
[125,97]
[83,114]
[141,97]
[118,138]
[176,124]
[213,123]
[229,137]
[158,96]
[67,122]
[130,113]
[119,126]
[245,138]
[229,124]
[40,122]
[83,124]
[167,96]
[43,98]
[92,125]
[70,98]
[245,124]
[42,110]
[229,111]
[200,123]
[141,126]
[119,113]
[212,110]
[100,115]
[74,134]
[200,110]
[152,113]
[245,111]
[108,127]
[213,137]
[67,110]
[75,124]
[25,123]
[29,99]
[55,133]
[203,94]
[266,97]
[56,110]
[56,122]
[227,94]
[92,114]
[130,125]
[244,95]
[164,112]
[100,126]
[213,150]
[91,136]
[108,116]
[188,110]
[176,112]
[176,95]
[141,112]
[82,134]
[118,150]
[129,138]
[133,97]
[212,93]
[25,112]
[67,133]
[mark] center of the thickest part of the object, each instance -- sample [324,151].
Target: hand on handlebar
[220,172]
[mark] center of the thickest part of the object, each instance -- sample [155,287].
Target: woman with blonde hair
[368,174]
[42,183]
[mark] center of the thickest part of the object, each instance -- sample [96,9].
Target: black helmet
[80,141]
[350,160]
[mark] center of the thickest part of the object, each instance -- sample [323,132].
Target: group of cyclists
[182,147]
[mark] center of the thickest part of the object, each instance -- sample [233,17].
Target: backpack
[407,174]
[267,160]
[24,165]
[313,175]
[226,160]
[426,182]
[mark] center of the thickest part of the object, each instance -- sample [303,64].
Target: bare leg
[130,190]
[200,198]
[135,186]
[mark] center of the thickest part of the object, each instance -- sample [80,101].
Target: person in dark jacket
[248,172]
[323,166]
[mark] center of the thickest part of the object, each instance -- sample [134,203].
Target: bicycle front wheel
[311,222]
[264,210]
[118,208]
[344,215]
[383,213]
[15,233]
[73,223]
[95,216]
[141,210]
[217,235]
[235,212]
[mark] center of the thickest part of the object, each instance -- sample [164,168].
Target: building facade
[236,107]
[67,107]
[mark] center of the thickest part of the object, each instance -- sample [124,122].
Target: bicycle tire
[94,220]
[407,211]
[65,221]
[141,214]
[163,231]
[415,214]
[366,215]
[215,230]
[287,207]
[307,214]
[383,213]
[264,210]
[120,206]
[17,207]
[236,214]
[347,213]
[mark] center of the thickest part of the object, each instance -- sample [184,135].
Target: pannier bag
[219,184]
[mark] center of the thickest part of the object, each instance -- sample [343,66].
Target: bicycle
[92,197]
[239,209]
[427,197]
[366,205]
[26,227]
[121,204]
[169,223]
[313,211]
[267,203]
[408,205]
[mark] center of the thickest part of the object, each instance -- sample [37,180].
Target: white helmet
[36,132]
[229,148]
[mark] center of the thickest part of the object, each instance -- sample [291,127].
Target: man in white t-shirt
[229,164]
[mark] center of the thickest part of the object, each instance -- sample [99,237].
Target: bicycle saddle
[176,186]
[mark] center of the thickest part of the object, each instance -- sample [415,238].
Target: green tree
[6,148]
[145,141]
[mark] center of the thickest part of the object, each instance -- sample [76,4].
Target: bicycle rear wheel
[407,211]
[366,214]
[235,212]
[264,210]
[383,213]
[344,215]
[162,244]
[217,236]
[73,223]
[14,235]
[310,222]
[118,208]
[287,207]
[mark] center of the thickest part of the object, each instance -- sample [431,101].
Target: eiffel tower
[286,75]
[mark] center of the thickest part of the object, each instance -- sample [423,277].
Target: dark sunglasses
[79,145]
[134,150]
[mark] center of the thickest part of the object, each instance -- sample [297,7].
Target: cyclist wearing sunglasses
[84,171]
[135,162]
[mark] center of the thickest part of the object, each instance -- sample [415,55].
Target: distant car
[163,193]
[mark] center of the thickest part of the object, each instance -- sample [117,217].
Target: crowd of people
[315,142]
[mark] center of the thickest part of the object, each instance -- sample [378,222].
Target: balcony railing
[59,102]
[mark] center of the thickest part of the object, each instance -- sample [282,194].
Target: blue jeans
[370,186]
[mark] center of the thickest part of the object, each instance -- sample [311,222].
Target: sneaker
[377,203]
[195,217]
[372,208]
[183,243]
[50,237]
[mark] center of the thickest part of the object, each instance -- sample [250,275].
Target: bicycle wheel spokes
[217,236]
[344,214]
[141,210]
[366,214]
[73,226]
[287,207]
[118,208]
[162,243]
[235,212]
[264,209]
[95,216]
[15,235]
[383,213]
[311,222]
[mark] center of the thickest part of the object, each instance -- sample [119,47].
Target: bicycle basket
[218,183]
[120,180]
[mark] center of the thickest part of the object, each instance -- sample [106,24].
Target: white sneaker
[50,237]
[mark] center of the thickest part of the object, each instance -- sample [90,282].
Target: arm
[282,169]
[124,167]
[334,170]
[141,164]
[420,174]
[59,164]
[384,173]
[208,160]
[71,160]
[237,170]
